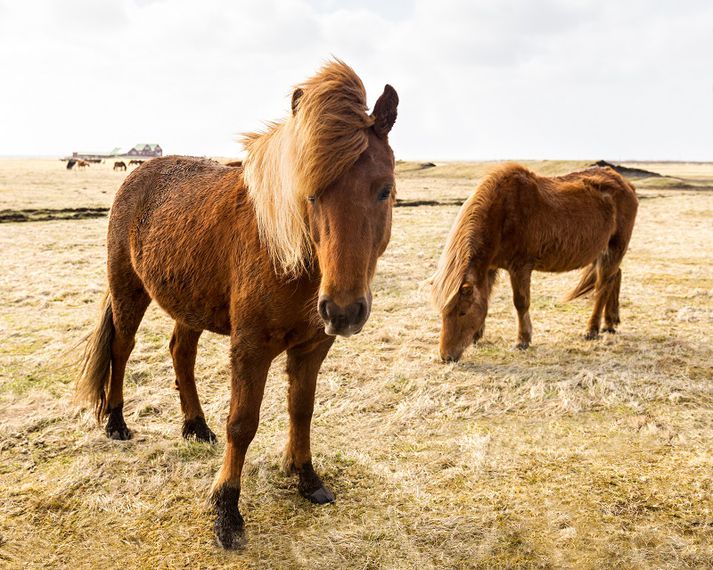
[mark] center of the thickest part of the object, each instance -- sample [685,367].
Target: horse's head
[463,317]
[350,226]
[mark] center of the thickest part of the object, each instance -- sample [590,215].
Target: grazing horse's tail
[586,282]
[96,362]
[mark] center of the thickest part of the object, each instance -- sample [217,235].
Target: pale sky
[480,79]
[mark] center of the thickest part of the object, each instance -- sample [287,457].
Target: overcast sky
[479,79]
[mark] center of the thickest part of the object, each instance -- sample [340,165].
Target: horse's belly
[558,256]
[196,299]
[194,313]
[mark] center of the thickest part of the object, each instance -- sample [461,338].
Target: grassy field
[572,454]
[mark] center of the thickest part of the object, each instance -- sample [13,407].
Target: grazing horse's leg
[249,372]
[303,363]
[611,310]
[183,347]
[129,303]
[601,290]
[492,276]
[520,281]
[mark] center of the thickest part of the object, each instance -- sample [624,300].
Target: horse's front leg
[249,372]
[303,363]
[492,277]
[520,281]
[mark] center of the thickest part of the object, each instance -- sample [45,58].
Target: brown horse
[82,164]
[119,165]
[235,164]
[279,256]
[135,162]
[522,222]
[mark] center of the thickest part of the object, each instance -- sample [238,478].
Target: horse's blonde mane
[465,238]
[300,156]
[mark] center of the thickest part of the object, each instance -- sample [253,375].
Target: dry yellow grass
[573,454]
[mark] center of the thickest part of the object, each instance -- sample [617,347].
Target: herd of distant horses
[81,164]
[279,252]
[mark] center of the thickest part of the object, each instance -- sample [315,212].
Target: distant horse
[119,165]
[522,222]
[279,256]
[82,164]
[235,164]
[136,162]
[71,163]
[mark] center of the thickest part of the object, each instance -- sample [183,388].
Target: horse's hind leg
[520,281]
[183,347]
[129,301]
[303,363]
[611,310]
[601,291]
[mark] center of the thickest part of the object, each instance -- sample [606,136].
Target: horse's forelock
[293,159]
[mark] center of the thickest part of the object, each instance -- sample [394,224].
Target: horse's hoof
[229,526]
[198,429]
[610,330]
[522,346]
[321,496]
[120,433]
[230,532]
[116,426]
[311,486]
[591,335]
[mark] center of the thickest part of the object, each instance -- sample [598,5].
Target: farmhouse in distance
[147,150]
[142,150]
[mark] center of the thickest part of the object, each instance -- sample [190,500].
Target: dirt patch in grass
[49,214]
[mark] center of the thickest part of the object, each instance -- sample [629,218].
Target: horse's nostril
[322,309]
[361,311]
[341,319]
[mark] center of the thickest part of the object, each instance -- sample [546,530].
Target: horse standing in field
[135,162]
[278,255]
[82,164]
[522,222]
[119,165]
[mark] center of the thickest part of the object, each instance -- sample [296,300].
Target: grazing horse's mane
[462,239]
[298,157]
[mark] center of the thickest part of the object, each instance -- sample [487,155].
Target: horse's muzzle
[343,321]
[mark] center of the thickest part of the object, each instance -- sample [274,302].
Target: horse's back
[558,223]
[172,224]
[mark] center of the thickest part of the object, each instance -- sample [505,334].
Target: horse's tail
[586,282]
[96,362]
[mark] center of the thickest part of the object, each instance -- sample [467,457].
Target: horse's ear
[296,96]
[385,111]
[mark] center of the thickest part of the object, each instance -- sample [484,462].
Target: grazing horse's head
[462,283]
[462,318]
[322,183]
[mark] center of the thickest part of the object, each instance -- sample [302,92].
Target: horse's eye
[312,199]
[385,193]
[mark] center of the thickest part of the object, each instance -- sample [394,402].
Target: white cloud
[480,79]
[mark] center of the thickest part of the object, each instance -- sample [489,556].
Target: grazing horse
[522,222]
[82,164]
[278,255]
[135,162]
[71,163]
[119,165]
[235,164]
